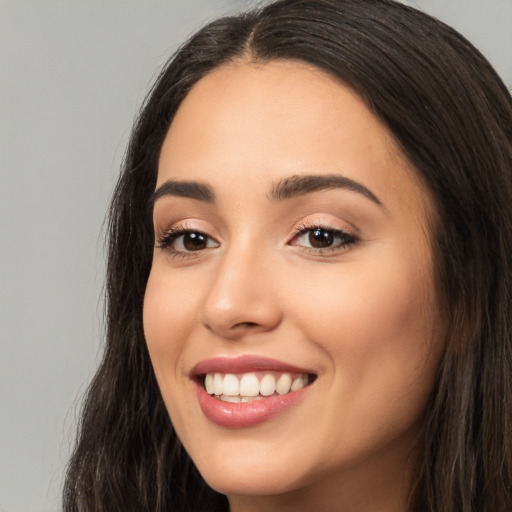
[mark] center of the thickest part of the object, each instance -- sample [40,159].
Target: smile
[245,391]
[247,387]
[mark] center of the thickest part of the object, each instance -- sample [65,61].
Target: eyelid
[342,238]
[330,225]
[184,224]
[168,236]
[176,232]
[348,238]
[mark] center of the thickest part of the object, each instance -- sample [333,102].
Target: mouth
[247,390]
[251,386]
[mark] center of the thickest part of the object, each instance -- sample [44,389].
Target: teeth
[250,398]
[232,399]
[231,385]
[218,383]
[268,385]
[251,386]
[297,383]
[237,399]
[283,384]
[208,383]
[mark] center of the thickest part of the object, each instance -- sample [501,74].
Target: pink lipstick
[248,390]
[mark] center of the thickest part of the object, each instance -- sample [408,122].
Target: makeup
[291,321]
[247,390]
[246,414]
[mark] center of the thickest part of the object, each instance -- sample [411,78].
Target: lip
[248,414]
[244,364]
[244,414]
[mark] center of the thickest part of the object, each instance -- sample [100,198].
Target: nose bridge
[240,296]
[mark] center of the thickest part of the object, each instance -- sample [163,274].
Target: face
[290,312]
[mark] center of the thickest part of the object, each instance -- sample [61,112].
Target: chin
[257,481]
[250,469]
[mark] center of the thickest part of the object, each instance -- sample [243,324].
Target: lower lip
[246,414]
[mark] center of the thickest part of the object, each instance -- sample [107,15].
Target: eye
[318,238]
[181,241]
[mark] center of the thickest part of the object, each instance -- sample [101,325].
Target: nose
[241,299]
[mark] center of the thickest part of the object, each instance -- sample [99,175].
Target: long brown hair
[452,117]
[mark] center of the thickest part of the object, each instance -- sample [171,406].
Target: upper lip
[244,364]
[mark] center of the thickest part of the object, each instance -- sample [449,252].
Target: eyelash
[171,235]
[346,240]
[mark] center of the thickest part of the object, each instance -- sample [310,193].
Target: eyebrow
[286,188]
[190,189]
[300,184]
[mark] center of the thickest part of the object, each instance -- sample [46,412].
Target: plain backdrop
[72,74]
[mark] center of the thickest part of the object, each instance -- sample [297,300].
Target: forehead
[253,124]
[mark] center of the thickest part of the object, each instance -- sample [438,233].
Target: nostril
[246,324]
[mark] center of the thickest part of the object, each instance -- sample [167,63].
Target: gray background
[72,74]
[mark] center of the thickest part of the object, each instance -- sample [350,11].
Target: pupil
[194,241]
[319,238]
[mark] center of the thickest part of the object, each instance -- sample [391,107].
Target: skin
[362,316]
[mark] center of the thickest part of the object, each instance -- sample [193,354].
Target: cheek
[169,305]
[367,307]
[376,325]
[166,322]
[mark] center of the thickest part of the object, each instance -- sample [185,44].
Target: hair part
[451,116]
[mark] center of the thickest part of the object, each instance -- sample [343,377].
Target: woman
[309,275]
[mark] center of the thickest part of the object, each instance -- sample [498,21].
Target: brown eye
[182,241]
[194,241]
[320,238]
